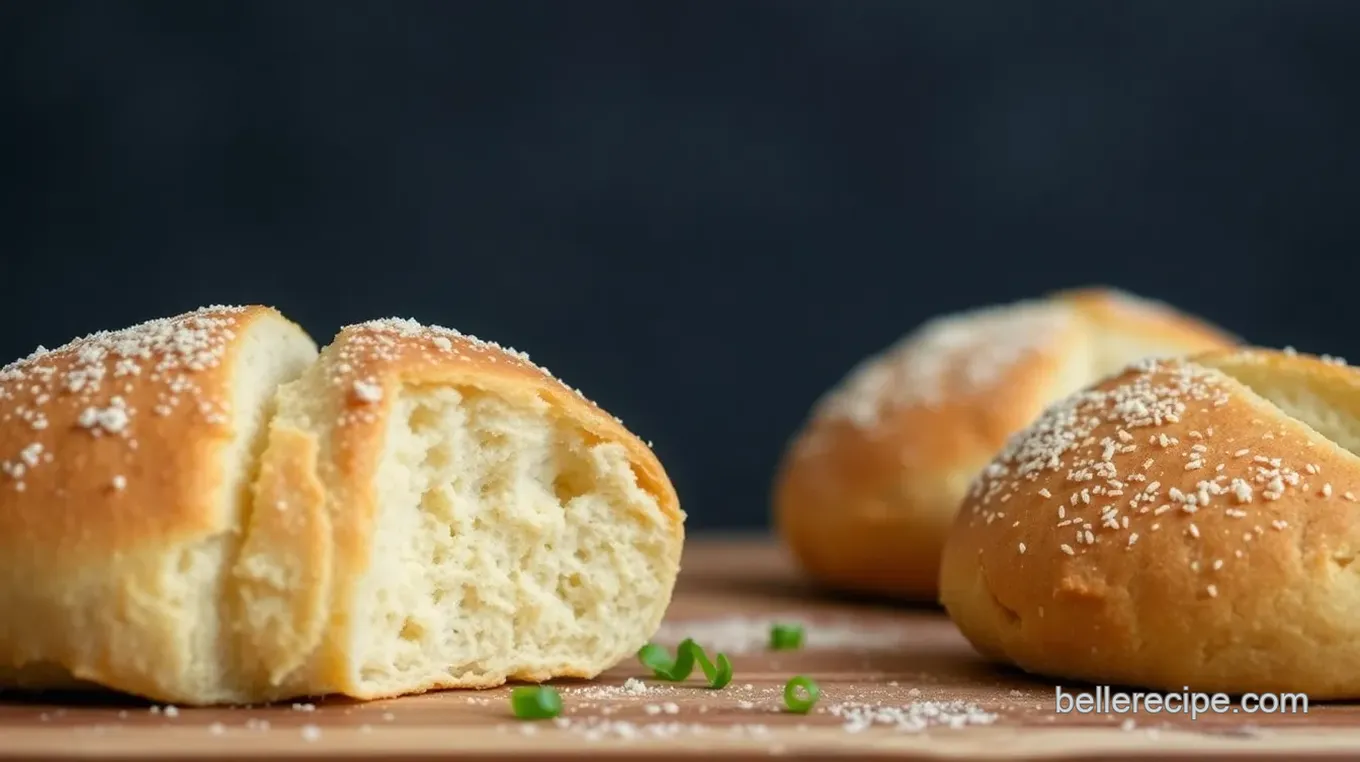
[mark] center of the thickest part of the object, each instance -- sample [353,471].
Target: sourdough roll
[435,511]
[1188,522]
[866,491]
[126,462]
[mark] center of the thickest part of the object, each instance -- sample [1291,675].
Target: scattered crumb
[598,729]
[631,687]
[912,718]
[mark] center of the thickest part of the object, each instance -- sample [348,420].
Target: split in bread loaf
[202,509]
[867,489]
[1187,523]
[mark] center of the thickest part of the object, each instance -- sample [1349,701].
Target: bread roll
[201,510]
[867,489]
[1187,523]
[126,460]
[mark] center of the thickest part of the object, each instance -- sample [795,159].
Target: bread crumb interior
[509,544]
[1328,405]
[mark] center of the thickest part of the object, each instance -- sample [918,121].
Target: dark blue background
[701,213]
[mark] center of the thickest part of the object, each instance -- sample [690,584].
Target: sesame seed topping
[1074,446]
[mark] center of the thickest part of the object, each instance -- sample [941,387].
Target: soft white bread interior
[201,510]
[1188,522]
[445,514]
[868,488]
[126,464]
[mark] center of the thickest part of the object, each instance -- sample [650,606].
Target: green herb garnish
[786,637]
[535,702]
[801,703]
[657,659]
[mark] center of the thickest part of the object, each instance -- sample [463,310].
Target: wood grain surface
[897,682]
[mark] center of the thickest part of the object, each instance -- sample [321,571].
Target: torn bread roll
[867,489]
[1187,523]
[202,510]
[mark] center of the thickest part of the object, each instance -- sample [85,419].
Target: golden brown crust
[114,462]
[1112,310]
[1170,527]
[114,433]
[867,490]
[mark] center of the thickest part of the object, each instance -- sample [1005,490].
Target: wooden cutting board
[896,682]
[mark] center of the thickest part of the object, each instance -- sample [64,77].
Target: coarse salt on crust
[90,376]
[387,340]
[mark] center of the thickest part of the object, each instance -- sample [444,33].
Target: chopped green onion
[801,704]
[718,675]
[535,702]
[657,659]
[786,637]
